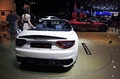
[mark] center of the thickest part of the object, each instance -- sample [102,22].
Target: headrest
[58,27]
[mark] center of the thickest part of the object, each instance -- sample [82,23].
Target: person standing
[16,22]
[26,6]
[26,18]
[11,18]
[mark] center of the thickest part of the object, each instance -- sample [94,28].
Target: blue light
[103,13]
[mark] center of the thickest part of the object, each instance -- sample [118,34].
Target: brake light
[20,42]
[65,44]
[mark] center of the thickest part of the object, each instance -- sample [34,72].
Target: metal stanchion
[119,32]
[0,31]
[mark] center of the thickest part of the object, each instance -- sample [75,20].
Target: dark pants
[12,28]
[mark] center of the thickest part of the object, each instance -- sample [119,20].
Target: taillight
[65,44]
[20,42]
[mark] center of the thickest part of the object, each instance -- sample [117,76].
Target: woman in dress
[26,20]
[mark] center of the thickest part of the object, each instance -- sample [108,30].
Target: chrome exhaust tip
[30,61]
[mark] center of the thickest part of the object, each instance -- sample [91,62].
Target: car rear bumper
[63,58]
[45,62]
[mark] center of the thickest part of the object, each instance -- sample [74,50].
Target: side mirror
[19,31]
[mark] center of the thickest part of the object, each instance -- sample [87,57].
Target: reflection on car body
[51,41]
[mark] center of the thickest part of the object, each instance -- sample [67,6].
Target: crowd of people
[106,5]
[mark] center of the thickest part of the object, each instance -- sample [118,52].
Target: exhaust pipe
[51,62]
[30,61]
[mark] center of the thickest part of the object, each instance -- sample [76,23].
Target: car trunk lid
[50,34]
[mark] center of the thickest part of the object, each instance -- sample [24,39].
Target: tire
[102,29]
[66,69]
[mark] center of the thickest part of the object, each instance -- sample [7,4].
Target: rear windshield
[53,25]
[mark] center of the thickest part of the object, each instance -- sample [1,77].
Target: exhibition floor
[101,59]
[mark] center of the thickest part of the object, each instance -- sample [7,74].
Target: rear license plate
[40,45]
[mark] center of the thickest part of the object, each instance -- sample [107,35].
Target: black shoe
[10,33]
[4,35]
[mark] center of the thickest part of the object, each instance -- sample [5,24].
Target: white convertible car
[52,43]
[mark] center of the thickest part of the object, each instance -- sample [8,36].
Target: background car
[52,43]
[101,19]
[50,17]
[88,24]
